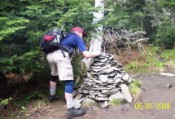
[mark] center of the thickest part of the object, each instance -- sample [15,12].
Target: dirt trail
[157,101]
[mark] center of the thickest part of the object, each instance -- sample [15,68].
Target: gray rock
[115,68]
[106,79]
[111,75]
[101,88]
[125,92]
[98,64]
[78,96]
[89,83]
[95,93]
[95,86]
[101,98]
[85,91]
[116,96]
[97,81]
[111,57]
[94,73]
[89,75]
[103,78]
[91,96]
[105,84]
[103,104]
[107,71]
[111,87]
[91,91]
[125,77]
[168,85]
[129,80]
[88,102]
[96,69]
[109,92]
[118,76]
[101,95]
[168,74]
[111,81]
[118,80]
[103,60]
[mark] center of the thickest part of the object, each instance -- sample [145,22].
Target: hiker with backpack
[61,68]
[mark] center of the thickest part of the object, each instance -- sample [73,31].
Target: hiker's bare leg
[52,88]
[72,112]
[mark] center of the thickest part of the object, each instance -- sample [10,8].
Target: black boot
[72,112]
[53,98]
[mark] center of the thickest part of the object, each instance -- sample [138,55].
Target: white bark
[97,36]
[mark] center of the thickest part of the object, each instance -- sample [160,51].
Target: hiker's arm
[87,54]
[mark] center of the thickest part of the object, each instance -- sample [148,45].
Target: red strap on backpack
[48,37]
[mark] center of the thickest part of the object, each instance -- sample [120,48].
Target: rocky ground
[157,101]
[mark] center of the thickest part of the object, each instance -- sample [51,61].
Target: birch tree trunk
[97,36]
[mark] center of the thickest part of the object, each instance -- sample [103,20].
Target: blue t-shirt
[73,41]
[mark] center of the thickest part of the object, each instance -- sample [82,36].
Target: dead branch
[123,40]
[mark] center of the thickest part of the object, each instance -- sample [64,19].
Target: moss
[150,62]
[135,89]
[116,101]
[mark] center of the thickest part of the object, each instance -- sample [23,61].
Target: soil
[156,101]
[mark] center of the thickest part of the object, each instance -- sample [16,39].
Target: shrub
[166,36]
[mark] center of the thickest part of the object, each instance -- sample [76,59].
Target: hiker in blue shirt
[73,41]
[61,68]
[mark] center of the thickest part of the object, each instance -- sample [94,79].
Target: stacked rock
[106,80]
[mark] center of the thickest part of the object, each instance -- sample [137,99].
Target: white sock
[52,90]
[69,100]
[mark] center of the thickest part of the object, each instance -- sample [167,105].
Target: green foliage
[78,68]
[132,65]
[27,62]
[116,17]
[10,25]
[134,88]
[60,90]
[23,22]
[116,101]
[23,108]
[149,63]
[162,20]
[166,36]
[5,101]
[154,60]
[166,3]
[168,54]
[22,102]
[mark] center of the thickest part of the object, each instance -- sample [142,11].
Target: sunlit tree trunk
[97,36]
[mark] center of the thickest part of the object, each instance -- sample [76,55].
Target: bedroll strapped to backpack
[51,41]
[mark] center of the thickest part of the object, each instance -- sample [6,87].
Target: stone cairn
[106,81]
